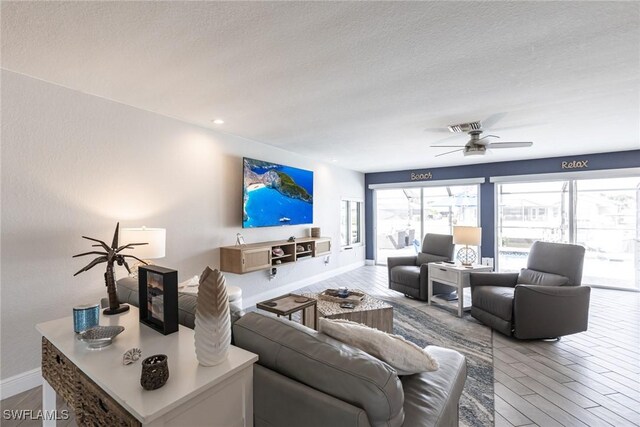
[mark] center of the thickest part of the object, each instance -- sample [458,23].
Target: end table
[455,275]
[286,305]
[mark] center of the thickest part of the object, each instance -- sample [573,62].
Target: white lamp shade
[463,235]
[155,237]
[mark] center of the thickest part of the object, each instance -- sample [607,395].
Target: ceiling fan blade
[449,152]
[449,139]
[484,141]
[509,144]
[524,125]
[490,121]
[447,146]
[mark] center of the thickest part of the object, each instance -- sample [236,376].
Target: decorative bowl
[100,336]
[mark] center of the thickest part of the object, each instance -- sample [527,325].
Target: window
[522,219]
[351,222]
[354,222]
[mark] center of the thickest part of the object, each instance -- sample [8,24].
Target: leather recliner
[544,300]
[409,274]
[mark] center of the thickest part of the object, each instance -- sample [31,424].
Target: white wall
[75,164]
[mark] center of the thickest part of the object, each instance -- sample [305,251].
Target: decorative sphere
[466,256]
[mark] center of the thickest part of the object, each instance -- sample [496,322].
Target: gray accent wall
[603,161]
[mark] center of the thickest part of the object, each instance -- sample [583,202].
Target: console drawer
[96,408]
[59,372]
[441,273]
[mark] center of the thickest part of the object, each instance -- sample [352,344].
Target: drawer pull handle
[442,269]
[102,405]
[58,358]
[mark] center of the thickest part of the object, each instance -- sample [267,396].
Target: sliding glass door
[599,214]
[398,222]
[405,215]
[445,207]
[528,212]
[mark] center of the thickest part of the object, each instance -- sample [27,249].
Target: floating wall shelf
[259,256]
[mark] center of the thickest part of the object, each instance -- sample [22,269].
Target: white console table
[194,395]
[454,275]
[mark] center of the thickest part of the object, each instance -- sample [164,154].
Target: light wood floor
[592,378]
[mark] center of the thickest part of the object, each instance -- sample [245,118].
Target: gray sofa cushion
[424,258]
[325,364]
[280,401]
[532,277]
[127,290]
[497,300]
[431,398]
[408,275]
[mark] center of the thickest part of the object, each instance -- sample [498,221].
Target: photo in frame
[158,298]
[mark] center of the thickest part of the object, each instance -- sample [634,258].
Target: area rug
[430,325]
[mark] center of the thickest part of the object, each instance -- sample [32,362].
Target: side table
[104,392]
[286,305]
[454,275]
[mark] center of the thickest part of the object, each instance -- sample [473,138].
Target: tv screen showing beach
[276,195]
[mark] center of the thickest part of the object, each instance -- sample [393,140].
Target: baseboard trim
[369,262]
[19,383]
[254,299]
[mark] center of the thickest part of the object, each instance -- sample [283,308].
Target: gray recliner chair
[544,300]
[409,274]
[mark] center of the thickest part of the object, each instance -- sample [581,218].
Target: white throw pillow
[404,356]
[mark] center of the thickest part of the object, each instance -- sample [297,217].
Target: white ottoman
[235,297]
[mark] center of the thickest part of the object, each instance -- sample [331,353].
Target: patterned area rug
[429,325]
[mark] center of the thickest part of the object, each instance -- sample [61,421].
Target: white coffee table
[220,395]
[455,275]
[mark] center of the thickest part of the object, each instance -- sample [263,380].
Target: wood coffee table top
[286,304]
[329,308]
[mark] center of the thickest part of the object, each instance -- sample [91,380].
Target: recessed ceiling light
[218,122]
[334,160]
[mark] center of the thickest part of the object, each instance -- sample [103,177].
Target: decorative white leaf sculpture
[213,322]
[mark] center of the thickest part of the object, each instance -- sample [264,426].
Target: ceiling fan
[477,145]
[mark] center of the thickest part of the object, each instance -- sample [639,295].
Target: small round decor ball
[466,256]
[155,372]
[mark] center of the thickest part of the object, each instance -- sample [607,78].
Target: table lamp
[156,239]
[463,235]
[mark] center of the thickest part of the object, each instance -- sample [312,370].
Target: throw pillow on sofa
[404,356]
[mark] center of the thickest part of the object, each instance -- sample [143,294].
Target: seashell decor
[131,356]
[213,322]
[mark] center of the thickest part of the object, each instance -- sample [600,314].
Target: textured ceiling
[354,82]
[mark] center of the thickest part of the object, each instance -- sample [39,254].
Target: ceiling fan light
[475,151]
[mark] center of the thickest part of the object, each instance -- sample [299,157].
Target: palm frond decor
[111,255]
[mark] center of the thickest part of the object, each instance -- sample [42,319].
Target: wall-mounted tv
[276,195]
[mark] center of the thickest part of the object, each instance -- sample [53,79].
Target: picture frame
[158,298]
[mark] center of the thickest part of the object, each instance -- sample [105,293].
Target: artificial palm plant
[110,256]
